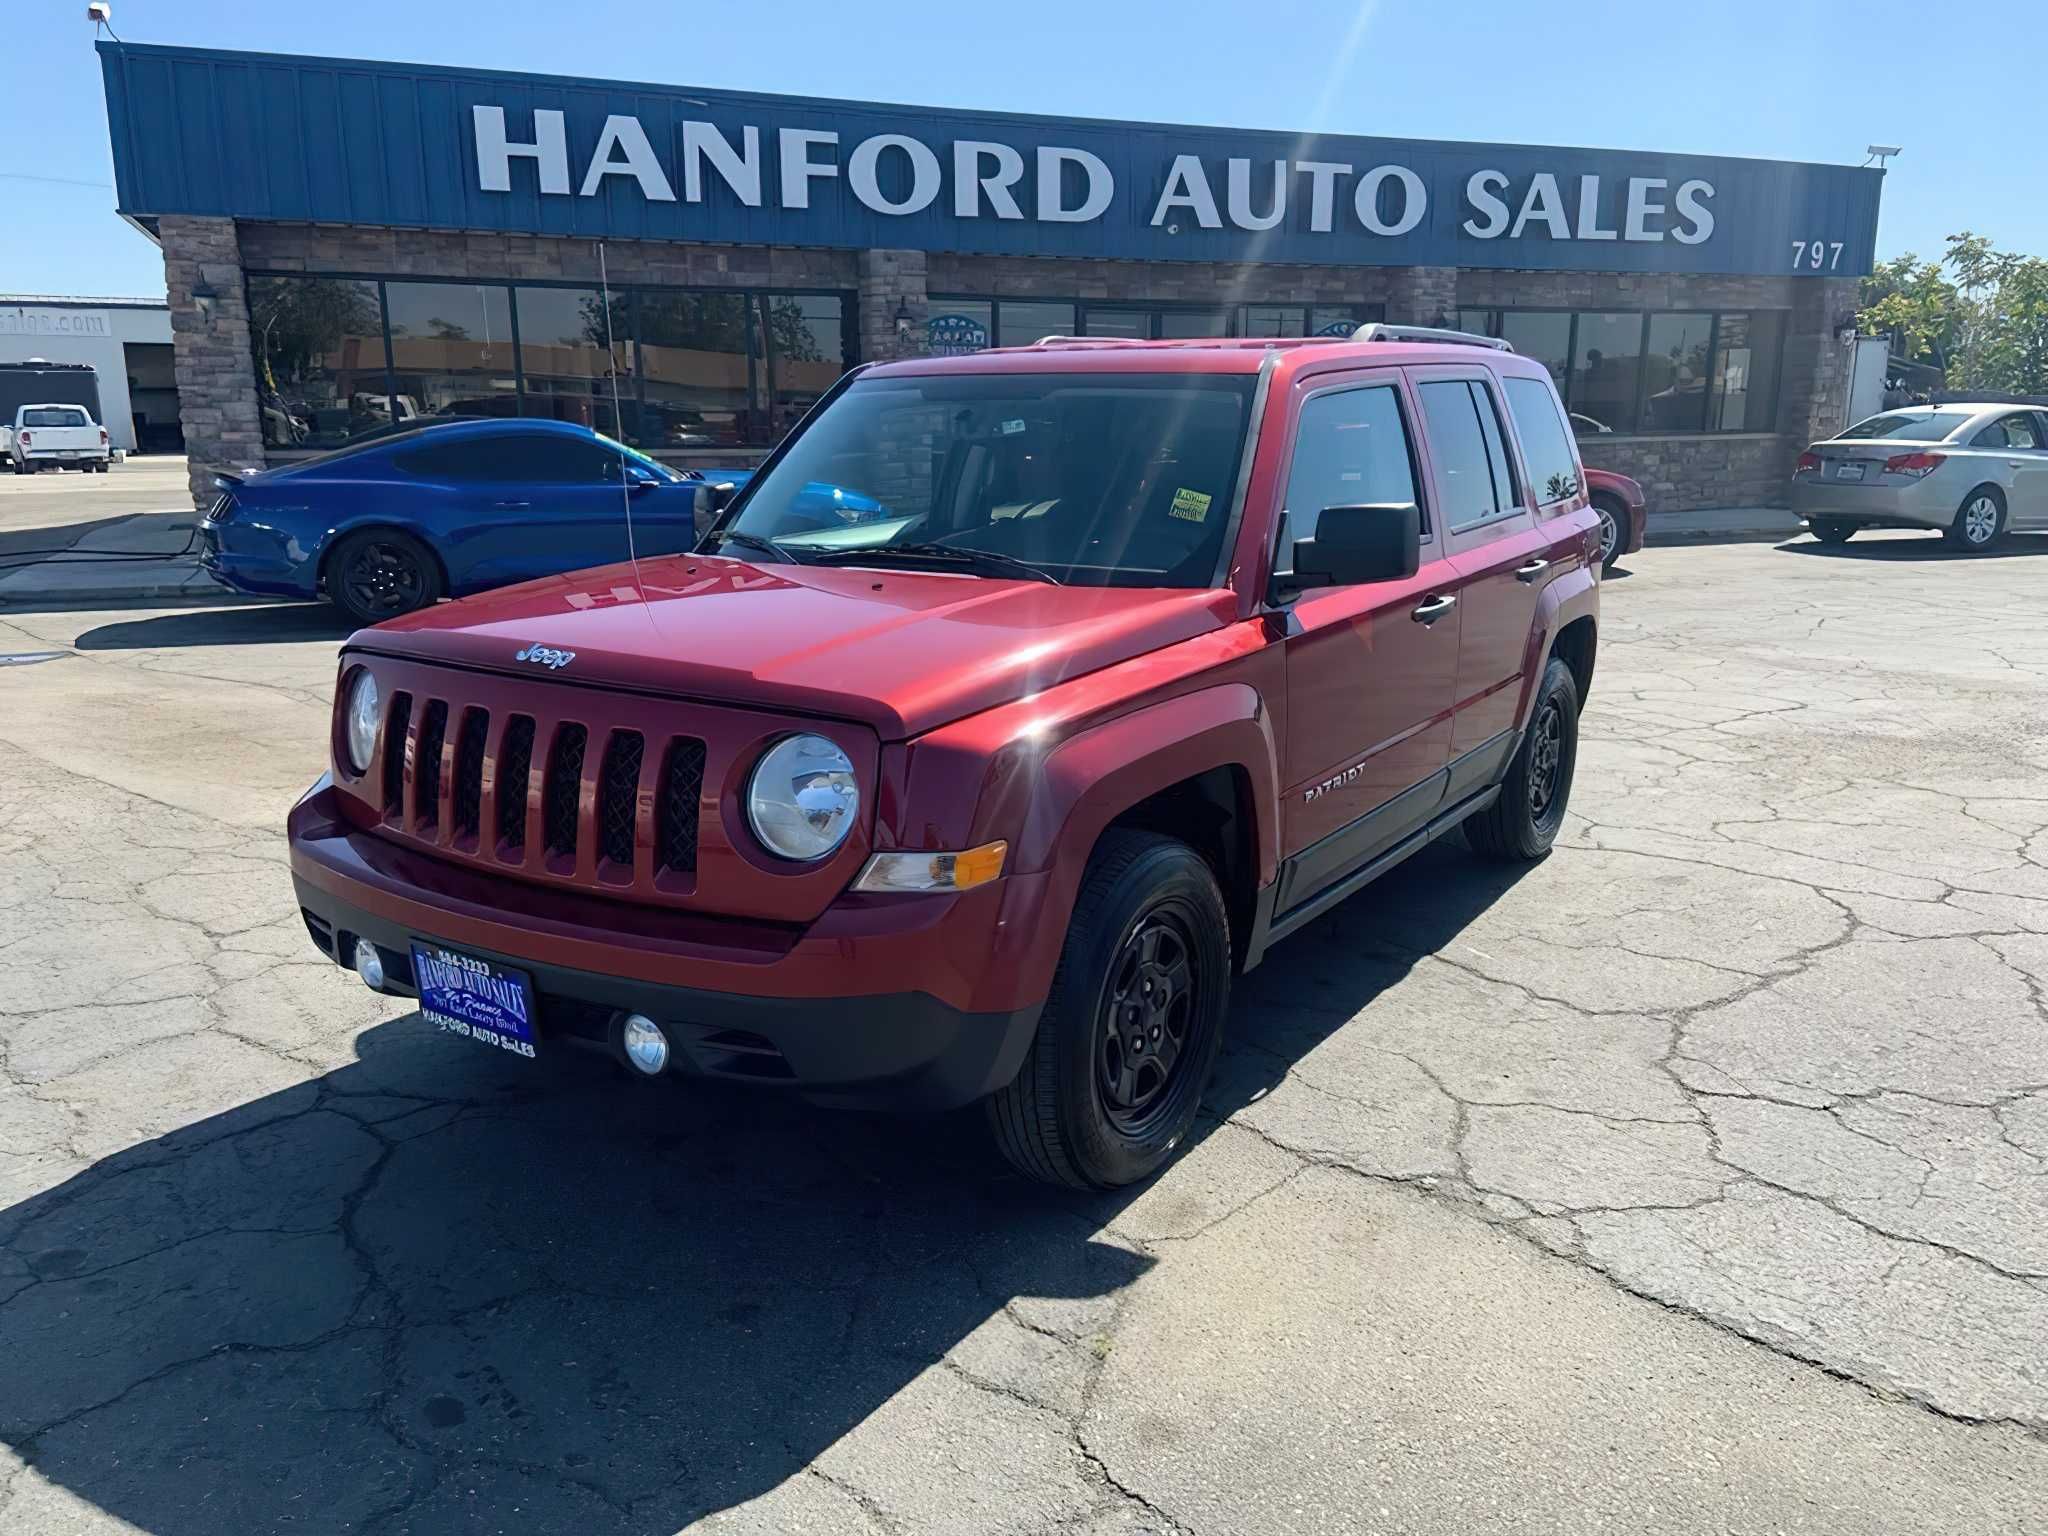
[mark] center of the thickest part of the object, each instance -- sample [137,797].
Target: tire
[1830,532]
[1614,530]
[1526,816]
[1979,522]
[1082,1110]
[380,573]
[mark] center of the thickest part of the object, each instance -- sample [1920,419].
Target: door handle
[1532,570]
[1433,609]
[511,503]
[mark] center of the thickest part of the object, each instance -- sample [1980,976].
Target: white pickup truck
[54,437]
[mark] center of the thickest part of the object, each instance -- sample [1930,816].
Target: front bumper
[911,1002]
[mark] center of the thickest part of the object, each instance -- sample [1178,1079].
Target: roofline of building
[774,100]
[79,301]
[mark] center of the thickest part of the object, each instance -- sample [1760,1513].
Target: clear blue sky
[1791,79]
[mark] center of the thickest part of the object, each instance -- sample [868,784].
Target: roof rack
[1082,341]
[1379,330]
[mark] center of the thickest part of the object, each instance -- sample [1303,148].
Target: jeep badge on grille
[546,656]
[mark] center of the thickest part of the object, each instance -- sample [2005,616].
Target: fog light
[369,965]
[646,1046]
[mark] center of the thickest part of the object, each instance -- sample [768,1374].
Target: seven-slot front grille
[469,771]
[597,802]
[618,796]
[682,785]
[560,801]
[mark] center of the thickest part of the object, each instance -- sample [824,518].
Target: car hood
[902,652]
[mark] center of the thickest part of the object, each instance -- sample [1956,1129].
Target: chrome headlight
[802,799]
[364,716]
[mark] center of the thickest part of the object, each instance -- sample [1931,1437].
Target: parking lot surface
[1691,1180]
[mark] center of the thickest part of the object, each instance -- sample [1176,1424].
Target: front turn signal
[933,871]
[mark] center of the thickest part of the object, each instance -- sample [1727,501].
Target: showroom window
[573,354]
[321,375]
[1668,372]
[660,368]
[451,350]
[959,324]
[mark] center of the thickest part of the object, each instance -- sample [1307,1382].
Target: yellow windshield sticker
[1190,506]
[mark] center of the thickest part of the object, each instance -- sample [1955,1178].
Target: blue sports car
[385,526]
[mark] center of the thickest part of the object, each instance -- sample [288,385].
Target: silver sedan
[1972,471]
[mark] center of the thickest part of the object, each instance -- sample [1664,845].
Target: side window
[1350,449]
[1497,456]
[1546,449]
[473,458]
[1458,445]
[549,459]
[2020,431]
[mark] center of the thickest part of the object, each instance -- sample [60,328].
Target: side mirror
[638,479]
[713,497]
[1373,541]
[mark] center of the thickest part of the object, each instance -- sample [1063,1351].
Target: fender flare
[1096,775]
[1573,596]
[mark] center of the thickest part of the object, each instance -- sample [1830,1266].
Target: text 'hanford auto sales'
[1075,186]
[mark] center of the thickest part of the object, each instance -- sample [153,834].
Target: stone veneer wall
[217,383]
[210,356]
[1166,282]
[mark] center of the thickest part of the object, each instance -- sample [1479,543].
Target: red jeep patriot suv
[1018,702]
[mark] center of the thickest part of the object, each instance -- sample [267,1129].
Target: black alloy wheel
[380,574]
[1129,1034]
[1146,1010]
[1546,757]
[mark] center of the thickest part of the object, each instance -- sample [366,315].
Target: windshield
[1103,479]
[1912,427]
[654,467]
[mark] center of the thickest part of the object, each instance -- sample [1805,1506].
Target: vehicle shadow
[257,624]
[435,1290]
[1905,545]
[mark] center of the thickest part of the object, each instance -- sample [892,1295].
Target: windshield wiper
[986,561]
[756,542]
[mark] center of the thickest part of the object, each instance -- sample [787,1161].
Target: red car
[1623,513]
[1148,654]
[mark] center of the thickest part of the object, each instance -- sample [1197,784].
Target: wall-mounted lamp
[1845,329]
[903,319]
[203,299]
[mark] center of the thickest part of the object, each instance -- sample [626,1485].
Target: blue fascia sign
[533,154]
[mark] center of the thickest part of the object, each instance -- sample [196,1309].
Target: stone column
[891,281]
[1418,295]
[216,376]
[1813,398]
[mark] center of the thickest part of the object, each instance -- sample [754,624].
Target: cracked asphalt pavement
[1691,1180]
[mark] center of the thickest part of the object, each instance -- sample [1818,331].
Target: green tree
[1979,314]
[1911,301]
[2005,343]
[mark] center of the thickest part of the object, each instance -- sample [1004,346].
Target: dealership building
[351,244]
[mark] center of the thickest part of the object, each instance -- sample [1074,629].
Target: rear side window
[473,458]
[524,458]
[1464,442]
[2015,431]
[1546,448]
[1350,449]
[54,416]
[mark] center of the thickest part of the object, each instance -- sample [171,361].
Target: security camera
[99,12]
[1882,151]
